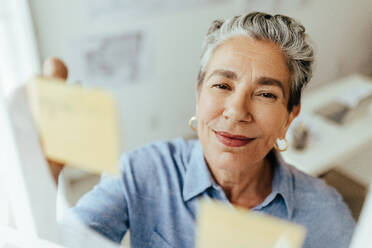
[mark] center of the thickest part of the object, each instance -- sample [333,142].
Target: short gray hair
[286,32]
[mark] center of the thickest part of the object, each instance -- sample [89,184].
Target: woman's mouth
[232,140]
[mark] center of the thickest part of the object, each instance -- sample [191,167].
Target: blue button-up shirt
[157,195]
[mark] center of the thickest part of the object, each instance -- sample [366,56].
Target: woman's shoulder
[158,162]
[312,187]
[321,209]
[177,148]
[303,185]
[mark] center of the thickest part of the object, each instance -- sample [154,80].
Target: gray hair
[286,32]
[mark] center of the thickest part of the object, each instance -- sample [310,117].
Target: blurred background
[147,54]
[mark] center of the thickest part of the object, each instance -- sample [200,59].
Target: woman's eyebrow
[225,73]
[271,81]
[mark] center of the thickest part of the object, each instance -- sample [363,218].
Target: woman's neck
[246,188]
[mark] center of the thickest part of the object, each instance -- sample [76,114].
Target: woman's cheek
[210,107]
[271,123]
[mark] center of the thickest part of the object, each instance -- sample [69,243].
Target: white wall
[159,108]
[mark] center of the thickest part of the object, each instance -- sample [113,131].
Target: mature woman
[253,69]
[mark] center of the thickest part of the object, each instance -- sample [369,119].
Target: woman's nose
[238,109]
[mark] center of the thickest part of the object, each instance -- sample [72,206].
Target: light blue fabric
[157,196]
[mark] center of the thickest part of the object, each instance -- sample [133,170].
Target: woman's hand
[55,68]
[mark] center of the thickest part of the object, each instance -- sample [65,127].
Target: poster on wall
[97,9]
[111,60]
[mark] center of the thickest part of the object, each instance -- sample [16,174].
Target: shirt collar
[198,179]
[282,184]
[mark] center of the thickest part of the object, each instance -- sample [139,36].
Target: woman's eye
[269,95]
[221,86]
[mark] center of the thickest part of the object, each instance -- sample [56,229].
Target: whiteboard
[31,189]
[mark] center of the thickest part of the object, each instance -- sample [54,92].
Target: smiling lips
[232,140]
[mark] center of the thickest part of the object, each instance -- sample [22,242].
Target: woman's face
[242,103]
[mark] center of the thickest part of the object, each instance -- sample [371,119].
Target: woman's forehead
[245,55]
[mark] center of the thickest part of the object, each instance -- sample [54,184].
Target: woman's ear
[292,115]
[295,112]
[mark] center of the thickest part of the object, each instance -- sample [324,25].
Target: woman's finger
[54,67]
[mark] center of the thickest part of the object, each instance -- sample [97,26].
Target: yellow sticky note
[220,226]
[77,126]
